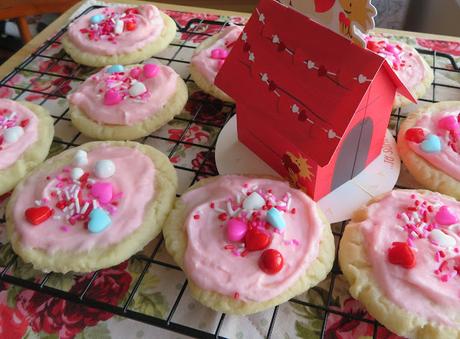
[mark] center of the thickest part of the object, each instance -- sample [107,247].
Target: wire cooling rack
[176,59]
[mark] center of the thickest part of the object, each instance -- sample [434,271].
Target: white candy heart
[331,134]
[76,173]
[12,134]
[253,202]
[362,78]
[310,64]
[104,169]
[80,158]
[295,108]
[137,88]
[442,239]
[119,25]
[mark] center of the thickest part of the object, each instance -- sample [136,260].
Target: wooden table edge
[56,25]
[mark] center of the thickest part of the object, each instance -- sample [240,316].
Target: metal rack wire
[190,29]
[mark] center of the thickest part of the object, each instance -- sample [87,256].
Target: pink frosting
[407,64]
[14,114]
[447,160]
[216,264]
[90,95]
[101,39]
[207,62]
[431,289]
[133,189]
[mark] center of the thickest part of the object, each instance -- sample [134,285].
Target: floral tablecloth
[28,314]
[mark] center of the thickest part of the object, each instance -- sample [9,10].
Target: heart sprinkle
[256,240]
[38,215]
[401,254]
[432,144]
[445,216]
[416,135]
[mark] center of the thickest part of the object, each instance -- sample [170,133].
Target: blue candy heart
[275,218]
[99,220]
[115,69]
[95,19]
[432,144]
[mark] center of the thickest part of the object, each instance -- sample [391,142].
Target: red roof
[303,63]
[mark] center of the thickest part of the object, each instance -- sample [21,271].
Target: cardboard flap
[400,87]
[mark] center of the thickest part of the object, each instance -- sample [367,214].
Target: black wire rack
[180,58]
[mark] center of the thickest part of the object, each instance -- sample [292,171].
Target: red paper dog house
[310,103]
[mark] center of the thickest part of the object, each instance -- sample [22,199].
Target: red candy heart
[131,26]
[256,240]
[37,215]
[416,135]
[401,254]
[271,261]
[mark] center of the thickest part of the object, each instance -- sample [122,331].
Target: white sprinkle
[67,195]
[220,210]
[288,204]
[38,202]
[77,204]
[72,206]
[91,181]
[405,217]
[238,199]
[65,209]
[85,207]
[95,204]
[229,208]
[415,235]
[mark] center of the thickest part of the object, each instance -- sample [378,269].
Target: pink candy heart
[449,123]
[151,70]
[445,216]
[112,97]
[219,53]
[102,191]
[236,230]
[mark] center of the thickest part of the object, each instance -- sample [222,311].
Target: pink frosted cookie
[401,256]
[247,244]
[89,207]
[118,35]
[26,133]
[209,58]
[127,102]
[411,68]
[429,145]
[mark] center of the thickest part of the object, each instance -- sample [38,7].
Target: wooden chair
[20,9]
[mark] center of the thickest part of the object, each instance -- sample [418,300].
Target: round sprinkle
[80,158]
[76,173]
[104,169]
[271,261]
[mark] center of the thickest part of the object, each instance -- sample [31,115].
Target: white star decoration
[252,57]
[262,17]
[264,77]
[244,36]
[295,108]
[276,39]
